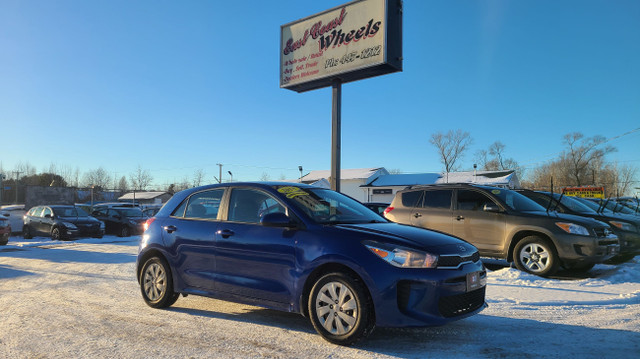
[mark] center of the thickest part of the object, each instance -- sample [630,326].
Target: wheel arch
[523,234]
[145,257]
[320,271]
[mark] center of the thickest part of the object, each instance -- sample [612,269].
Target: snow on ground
[80,299]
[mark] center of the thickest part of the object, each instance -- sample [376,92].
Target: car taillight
[387,210]
[148,222]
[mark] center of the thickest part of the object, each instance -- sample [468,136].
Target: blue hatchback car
[309,250]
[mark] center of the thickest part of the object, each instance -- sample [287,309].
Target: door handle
[226,233]
[170,229]
[459,218]
[417,215]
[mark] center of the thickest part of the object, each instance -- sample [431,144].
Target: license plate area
[474,281]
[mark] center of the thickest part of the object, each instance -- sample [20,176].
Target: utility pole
[220,176]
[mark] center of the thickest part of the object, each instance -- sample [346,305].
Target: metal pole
[336,110]
[220,175]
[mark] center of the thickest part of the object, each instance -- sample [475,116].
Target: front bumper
[83,231]
[586,249]
[431,297]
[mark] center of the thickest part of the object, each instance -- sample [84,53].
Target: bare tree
[198,177]
[96,178]
[582,153]
[451,147]
[140,179]
[123,185]
[494,159]
[265,177]
[395,171]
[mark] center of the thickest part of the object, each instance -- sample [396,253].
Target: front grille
[453,261]
[602,231]
[455,305]
[606,242]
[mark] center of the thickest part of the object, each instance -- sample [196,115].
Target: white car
[15,214]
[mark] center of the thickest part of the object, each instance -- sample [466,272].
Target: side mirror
[6,214]
[491,207]
[48,216]
[277,219]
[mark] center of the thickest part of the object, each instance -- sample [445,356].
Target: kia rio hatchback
[298,248]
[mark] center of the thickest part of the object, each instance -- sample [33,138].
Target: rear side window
[204,205]
[437,199]
[410,199]
[469,200]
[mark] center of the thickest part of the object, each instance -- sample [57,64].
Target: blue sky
[179,86]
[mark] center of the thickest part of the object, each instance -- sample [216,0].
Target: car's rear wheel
[55,234]
[26,232]
[124,231]
[340,309]
[156,284]
[536,255]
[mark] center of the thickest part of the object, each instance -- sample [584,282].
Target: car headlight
[624,226]
[403,257]
[69,225]
[573,228]
[132,222]
[101,225]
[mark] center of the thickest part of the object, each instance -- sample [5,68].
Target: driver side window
[469,200]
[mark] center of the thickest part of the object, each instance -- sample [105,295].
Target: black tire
[156,283]
[537,256]
[124,232]
[26,232]
[55,234]
[349,316]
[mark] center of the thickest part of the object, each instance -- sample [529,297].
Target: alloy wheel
[155,282]
[535,257]
[336,308]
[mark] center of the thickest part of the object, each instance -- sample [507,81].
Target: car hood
[581,220]
[413,237]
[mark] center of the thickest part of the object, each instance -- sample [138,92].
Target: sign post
[354,41]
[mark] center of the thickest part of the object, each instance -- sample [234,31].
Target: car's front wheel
[55,234]
[340,309]
[124,231]
[26,232]
[156,284]
[536,255]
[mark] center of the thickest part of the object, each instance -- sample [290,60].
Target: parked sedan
[61,222]
[5,230]
[121,221]
[309,250]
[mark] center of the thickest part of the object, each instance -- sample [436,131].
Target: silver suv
[505,224]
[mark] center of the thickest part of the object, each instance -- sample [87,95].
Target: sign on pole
[357,40]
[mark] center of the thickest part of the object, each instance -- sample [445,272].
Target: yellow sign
[585,192]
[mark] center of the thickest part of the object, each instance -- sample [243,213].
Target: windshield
[516,201]
[328,207]
[574,205]
[618,208]
[69,212]
[130,212]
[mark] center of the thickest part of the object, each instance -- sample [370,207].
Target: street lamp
[230,174]
[300,169]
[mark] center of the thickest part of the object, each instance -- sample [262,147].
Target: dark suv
[61,222]
[122,221]
[625,227]
[505,224]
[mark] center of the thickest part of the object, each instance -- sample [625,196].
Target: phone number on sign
[352,56]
